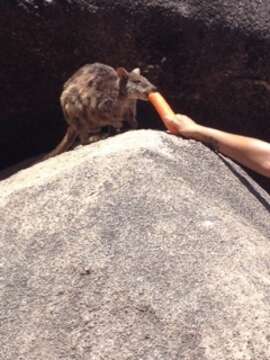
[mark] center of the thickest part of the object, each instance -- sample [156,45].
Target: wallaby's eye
[136,81]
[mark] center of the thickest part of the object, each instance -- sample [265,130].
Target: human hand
[181,125]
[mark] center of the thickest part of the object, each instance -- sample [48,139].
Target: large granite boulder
[142,246]
[209,58]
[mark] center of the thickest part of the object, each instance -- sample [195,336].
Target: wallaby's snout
[153,89]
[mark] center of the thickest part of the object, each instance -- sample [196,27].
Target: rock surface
[211,59]
[142,246]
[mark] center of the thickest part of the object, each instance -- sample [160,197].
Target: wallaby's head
[133,85]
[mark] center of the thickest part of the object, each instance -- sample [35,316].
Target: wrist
[205,135]
[197,133]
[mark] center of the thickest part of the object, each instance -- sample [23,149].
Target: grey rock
[141,246]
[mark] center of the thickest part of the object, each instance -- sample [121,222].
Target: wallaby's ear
[123,75]
[136,71]
[122,72]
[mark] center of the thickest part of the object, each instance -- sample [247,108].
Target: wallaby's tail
[65,144]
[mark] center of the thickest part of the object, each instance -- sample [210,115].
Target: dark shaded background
[206,57]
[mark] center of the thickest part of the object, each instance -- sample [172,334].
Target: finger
[169,118]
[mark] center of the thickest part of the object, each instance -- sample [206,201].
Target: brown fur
[98,96]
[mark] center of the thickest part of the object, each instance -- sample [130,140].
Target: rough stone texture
[206,56]
[142,246]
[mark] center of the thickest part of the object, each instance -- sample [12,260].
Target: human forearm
[250,152]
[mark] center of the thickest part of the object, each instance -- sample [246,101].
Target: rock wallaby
[99,96]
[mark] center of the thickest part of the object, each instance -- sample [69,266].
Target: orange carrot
[160,104]
[164,110]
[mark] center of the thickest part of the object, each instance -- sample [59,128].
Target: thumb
[171,120]
[170,124]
